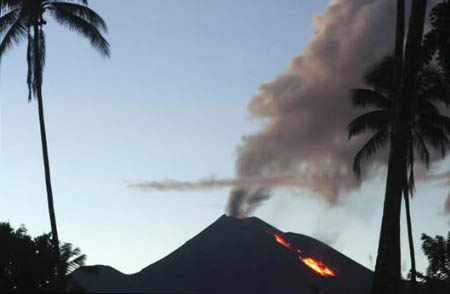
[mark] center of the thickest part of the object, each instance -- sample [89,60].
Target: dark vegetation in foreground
[437,277]
[27,264]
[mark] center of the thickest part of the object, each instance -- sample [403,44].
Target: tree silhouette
[428,126]
[437,40]
[29,264]
[437,277]
[386,278]
[23,21]
[437,251]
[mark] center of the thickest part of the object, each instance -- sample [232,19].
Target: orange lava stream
[313,264]
[318,267]
[282,241]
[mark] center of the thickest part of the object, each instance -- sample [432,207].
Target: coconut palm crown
[428,126]
[19,18]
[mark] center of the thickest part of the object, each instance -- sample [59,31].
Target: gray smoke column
[306,110]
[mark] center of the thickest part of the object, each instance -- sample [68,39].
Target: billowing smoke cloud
[306,111]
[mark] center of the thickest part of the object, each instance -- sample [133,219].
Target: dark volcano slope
[238,256]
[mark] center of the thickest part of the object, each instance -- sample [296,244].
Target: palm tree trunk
[411,67]
[399,39]
[411,242]
[386,278]
[387,267]
[48,184]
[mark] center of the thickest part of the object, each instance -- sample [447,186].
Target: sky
[172,102]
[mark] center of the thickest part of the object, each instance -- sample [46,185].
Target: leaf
[373,145]
[83,27]
[367,97]
[373,121]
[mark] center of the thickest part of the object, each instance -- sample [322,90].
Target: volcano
[238,256]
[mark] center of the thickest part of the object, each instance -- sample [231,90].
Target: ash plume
[175,185]
[211,183]
[307,109]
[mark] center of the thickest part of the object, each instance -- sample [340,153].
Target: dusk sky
[172,102]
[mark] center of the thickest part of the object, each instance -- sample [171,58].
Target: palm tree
[386,278]
[23,20]
[428,126]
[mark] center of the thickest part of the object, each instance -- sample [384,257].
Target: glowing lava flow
[318,267]
[313,264]
[282,241]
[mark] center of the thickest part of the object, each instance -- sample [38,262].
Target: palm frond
[441,121]
[429,75]
[367,97]
[437,93]
[83,27]
[84,2]
[373,121]
[6,5]
[425,107]
[435,136]
[30,65]
[42,49]
[71,257]
[76,263]
[432,86]
[83,12]
[374,144]
[410,185]
[421,149]
[380,75]
[8,19]
[15,34]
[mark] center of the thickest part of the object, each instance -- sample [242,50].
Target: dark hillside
[238,256]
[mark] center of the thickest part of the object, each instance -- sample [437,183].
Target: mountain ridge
[237,256]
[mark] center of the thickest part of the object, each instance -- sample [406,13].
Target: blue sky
[170,103]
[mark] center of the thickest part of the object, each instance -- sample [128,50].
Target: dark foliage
[20,18]
[437,251]
[436,280]
[429,127]
[28,264]
[437,40]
